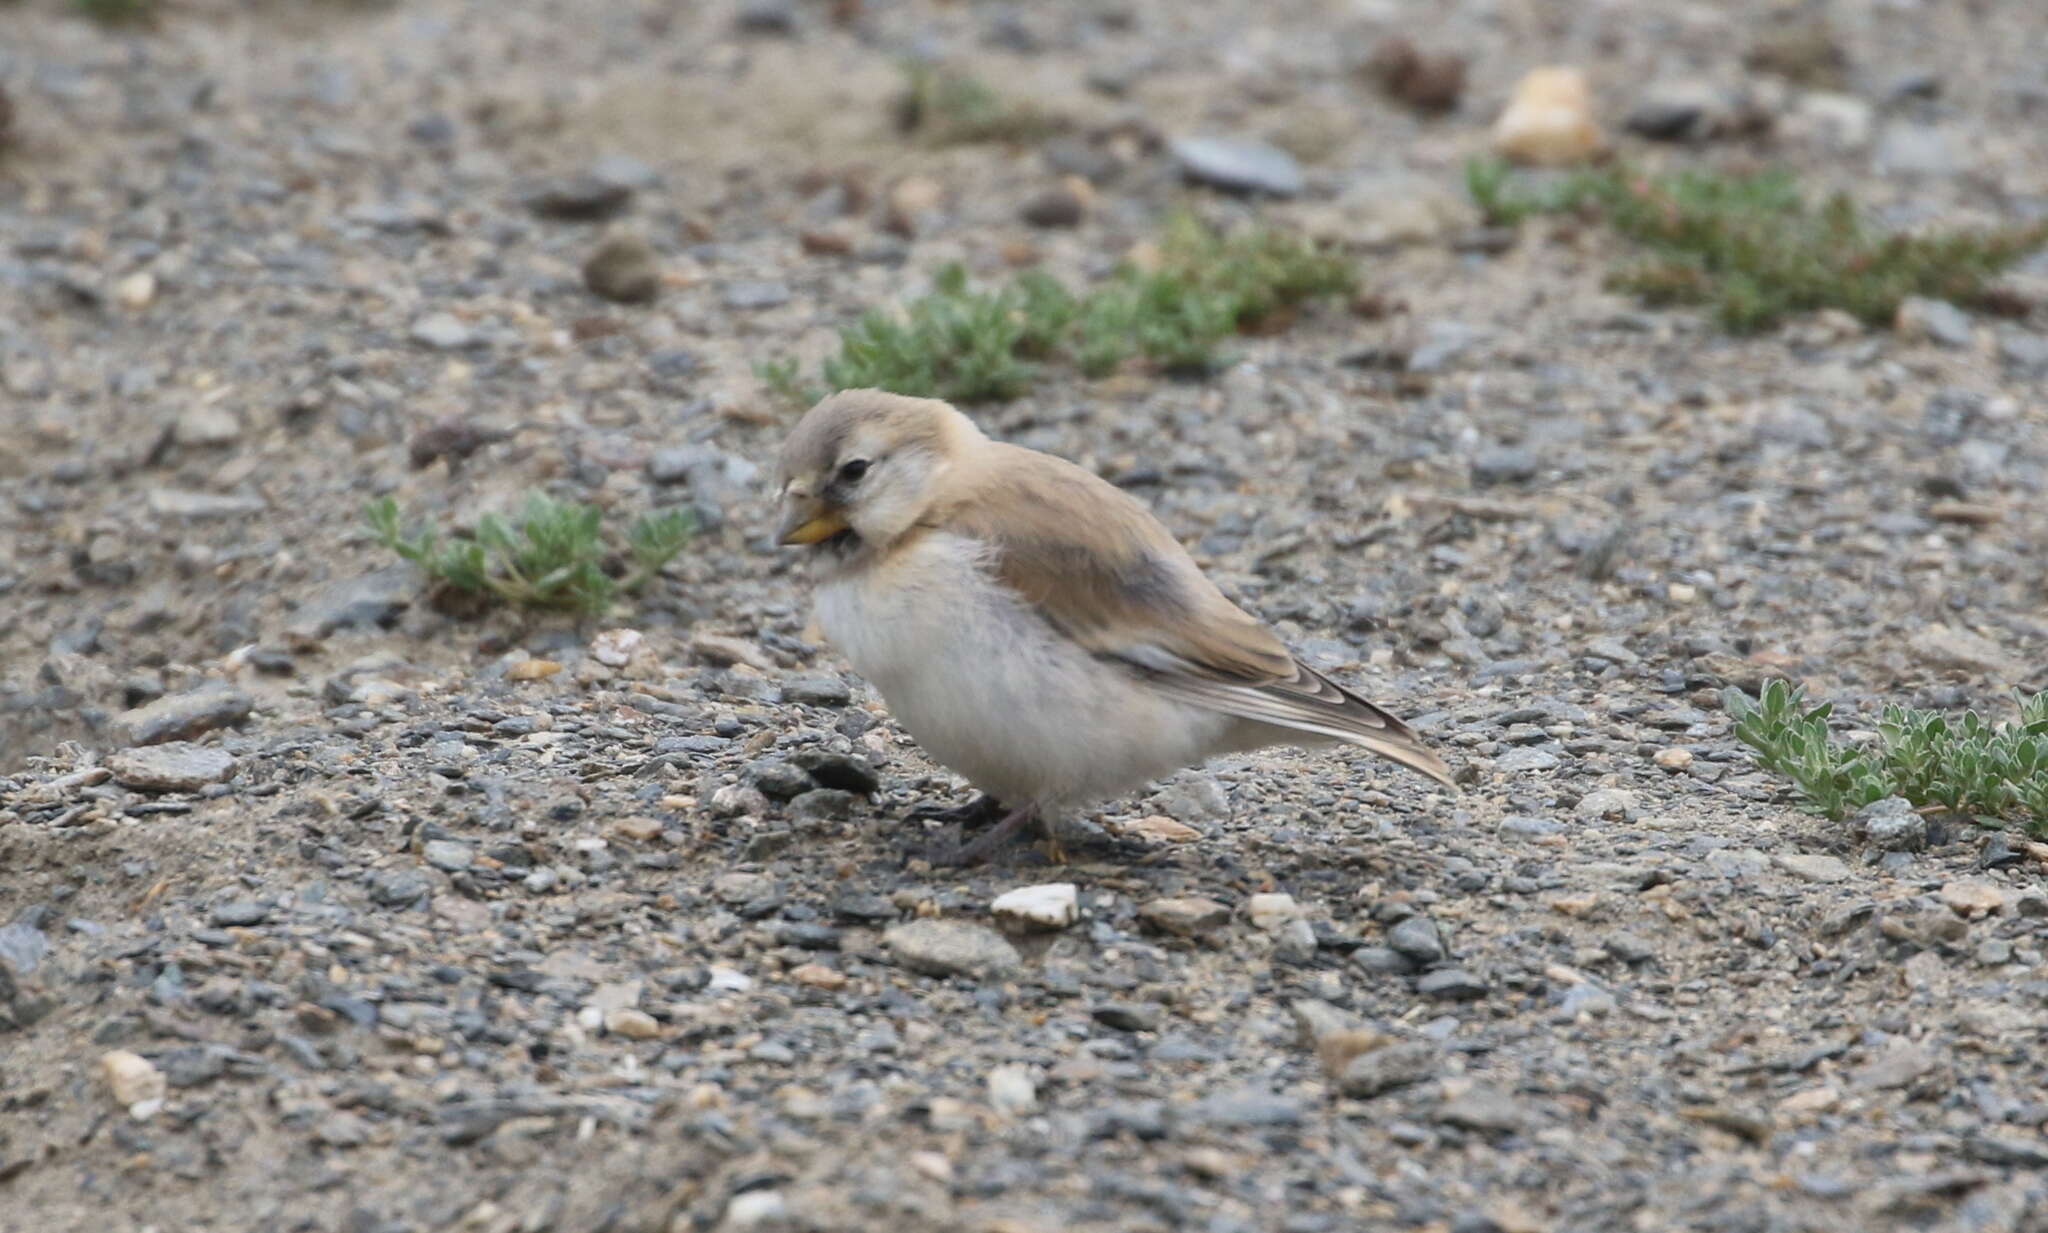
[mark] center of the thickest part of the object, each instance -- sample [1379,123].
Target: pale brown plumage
[1085,556]
[1098,566]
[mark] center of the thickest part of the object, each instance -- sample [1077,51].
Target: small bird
[1033,626]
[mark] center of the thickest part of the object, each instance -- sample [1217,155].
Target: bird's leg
[978,849]
[979,812]
[1053,851]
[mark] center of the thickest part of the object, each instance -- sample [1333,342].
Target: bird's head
[863,466]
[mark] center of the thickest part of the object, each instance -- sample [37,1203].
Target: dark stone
[824,804]
[818,690]
[579,199]
[1417,939]
[1504,465]
[766,17]
[864,908]
[1452,983]
[1128,1016]
[847,772]
[779,778]
[1057,207]
[399,888]
[1381,961]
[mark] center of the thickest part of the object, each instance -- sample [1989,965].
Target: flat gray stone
[1245,1109]
[1527,760]
[1737,862]
[239,912]
[1893,825]
[2026,351]
[176,766]
[1383,1070]
[1453,983]
[23,946]
[183,503]
[442,332]
[1936,320]
[751,295]
[1813,866]
[952,948]
[1618,804]
[180,717]
[1907,148]
[1485,1109]
[1238,165]
[1186,915]
[448,854]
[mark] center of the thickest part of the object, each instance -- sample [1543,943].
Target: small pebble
[132,1079]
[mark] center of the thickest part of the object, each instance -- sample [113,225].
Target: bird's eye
[852,469]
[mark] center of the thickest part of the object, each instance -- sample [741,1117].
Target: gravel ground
[325,911]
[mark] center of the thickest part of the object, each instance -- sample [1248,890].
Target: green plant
[1505,198]
[784,377]
[968,345]
[1752,249]
[1256,272]
[946,107]
[955,343]
[1995,773]
[554,554]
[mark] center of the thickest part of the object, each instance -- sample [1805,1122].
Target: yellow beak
[805,520]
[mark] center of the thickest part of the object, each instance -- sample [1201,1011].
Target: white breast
[992,691]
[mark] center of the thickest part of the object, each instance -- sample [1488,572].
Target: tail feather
[1312,703]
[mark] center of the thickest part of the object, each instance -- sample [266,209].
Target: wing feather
[1101,569]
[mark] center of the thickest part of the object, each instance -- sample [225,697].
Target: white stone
[132,1078]
[615,647]
[1273,912]
[1050,905]
[754,1208]
[631,1023]
[136,291]
[1011,1090]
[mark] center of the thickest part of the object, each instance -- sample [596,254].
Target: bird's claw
[982,846]
[975,814]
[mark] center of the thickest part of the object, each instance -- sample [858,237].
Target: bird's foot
[1053,851]
[978,849]
[983,810]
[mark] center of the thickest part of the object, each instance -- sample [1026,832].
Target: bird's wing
[1102,570]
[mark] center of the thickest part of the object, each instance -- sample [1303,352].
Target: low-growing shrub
[553,554]
[1996,773]
[1174,312]
[1751,248]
